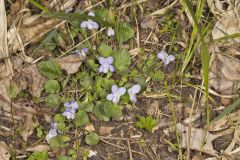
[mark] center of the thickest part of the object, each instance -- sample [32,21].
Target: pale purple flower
[91,13]
[133,91]
[166,59]
[116,93]
[70,109]
[71,105]
[110,32]
[52,132]
[69,113]
[106,64]
[83,52]
[89,24]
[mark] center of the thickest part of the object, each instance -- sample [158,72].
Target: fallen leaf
[228,23]
[90,127]
[38,148]
[224,73]
[30,124]
[196,138]
[4,151]
[70,63]
[105,130]
[35,80]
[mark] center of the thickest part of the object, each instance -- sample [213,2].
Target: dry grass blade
[164,10]
[5,66]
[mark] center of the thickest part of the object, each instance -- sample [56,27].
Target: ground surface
[184,124]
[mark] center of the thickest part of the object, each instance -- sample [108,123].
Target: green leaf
[98,111]
[52,86]
[49,69]
[53,100]
[112,110]
[59,118]
[81,118]
[147,123]
[121,60]
[92,139]
[58,141]
[123,32]
[38,156]
[105,50]
[12,90]
[39,131]
[62,127]
[157,76]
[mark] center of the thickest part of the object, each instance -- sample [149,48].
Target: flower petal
[91,13]
[84,24]
[110,97]
[102,60]
[166,62]
[100,69]
[133,98]
[52,133]
[89,25]
[171,58]
[112,69]
[121,91]
[67,104]
[114,88]
[110,32]
[74,105]
[136,88]
[110,60]
[105,68]
[116,99]
[162,55]
[69,113]
[95,25]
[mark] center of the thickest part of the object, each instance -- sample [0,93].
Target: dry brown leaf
[90,127]
[30,124]
[4,151]
[70,63]
[225,122]
[229,21]
[196,138]
[35,80]
[105,130]
[38,148]
[224,73]
[5,64]
[19,37]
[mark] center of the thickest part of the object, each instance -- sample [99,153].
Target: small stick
[123,148]
[129,150]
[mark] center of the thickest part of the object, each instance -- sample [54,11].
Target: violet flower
[89,24]
[110,32]
[52,132]
[70,109]
[106,64]
[166,59]
[133,91]
[83,52]
[116,93]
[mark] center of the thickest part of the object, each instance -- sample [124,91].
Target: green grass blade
[204,54]
[48,38]
[36,4]
[228,110]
